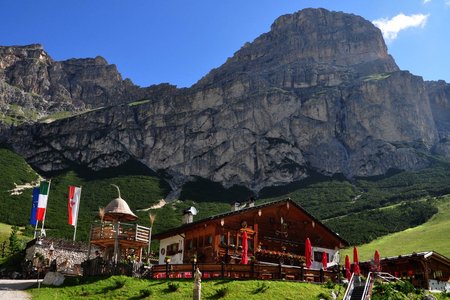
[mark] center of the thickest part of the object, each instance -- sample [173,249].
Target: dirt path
[13,289]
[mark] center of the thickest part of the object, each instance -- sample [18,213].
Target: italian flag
[42,200]
[73,204]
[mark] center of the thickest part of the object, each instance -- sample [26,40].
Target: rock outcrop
[318,92]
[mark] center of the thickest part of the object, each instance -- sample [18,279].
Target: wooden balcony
[104,234]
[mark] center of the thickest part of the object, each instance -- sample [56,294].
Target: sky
[180,41]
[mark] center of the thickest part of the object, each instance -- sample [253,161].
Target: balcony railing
[131,232]
[237,271]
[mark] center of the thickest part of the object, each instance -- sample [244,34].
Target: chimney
[235,206]
[188,215]
[188,218]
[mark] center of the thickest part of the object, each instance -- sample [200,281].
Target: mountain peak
[314,38]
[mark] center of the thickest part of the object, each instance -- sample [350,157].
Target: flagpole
[78,211]
[45,211]
[35,228]
[37,222]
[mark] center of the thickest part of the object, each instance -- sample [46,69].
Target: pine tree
[14,243]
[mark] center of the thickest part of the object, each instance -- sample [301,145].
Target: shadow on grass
[223,281]
[261,288]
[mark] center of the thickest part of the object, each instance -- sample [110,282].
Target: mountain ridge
[318,92]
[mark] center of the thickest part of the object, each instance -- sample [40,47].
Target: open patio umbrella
[376,259]
[324,260]
[308,253]
[348,274]
[244,259]
[356,269]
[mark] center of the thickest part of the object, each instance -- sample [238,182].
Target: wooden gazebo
[119,241]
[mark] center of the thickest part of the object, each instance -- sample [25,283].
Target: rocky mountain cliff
[318,92]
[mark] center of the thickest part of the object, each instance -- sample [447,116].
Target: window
[208,241]
[195,243]
[188,245]
[232,240]
[223,240]
[172,249]
[318,256]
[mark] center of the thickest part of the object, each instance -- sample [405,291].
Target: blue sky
[179,41]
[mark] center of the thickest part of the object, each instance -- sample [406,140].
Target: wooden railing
[237,271]
[132,232]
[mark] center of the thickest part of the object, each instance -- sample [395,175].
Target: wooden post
[116,243]
[197,291]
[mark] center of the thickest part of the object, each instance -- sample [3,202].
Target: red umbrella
[308,253]
[348,274]
[356,269]
[244,259]
[376,259]
[324,260]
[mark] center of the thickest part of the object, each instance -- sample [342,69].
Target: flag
[34,206]
[73,204]
[42,202]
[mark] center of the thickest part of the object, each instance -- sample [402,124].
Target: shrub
[324,296]
[145,293]
[119,283]
[330,284]
[222,292]
[173,287]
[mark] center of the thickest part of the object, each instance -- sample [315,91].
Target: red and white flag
[74,204]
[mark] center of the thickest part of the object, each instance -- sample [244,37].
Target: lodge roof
[424,255]
[185,227]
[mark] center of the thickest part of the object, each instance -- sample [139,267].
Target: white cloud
[391,27]
[447,2]
[426,1]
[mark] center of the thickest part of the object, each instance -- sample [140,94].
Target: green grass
[377,77]
[135,103]
[56,116]
[432,235]
[139,187]
[111,288]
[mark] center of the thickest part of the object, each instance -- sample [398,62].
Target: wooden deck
[128,234]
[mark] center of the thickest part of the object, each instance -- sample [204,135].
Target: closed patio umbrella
[376,259]
[356,269]
[324,260]
[244,259]
[348,274]
[308,253]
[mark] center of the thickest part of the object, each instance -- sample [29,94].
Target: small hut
[119,241]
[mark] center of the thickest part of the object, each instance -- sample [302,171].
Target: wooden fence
[251,271]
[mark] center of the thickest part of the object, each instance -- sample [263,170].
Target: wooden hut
[119,241]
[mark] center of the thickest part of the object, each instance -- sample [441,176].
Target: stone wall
[68,255]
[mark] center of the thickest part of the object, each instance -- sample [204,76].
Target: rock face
[32,81]
[318,92]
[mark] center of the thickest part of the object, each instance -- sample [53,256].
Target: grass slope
[119,287]
[432,235]
[139,187]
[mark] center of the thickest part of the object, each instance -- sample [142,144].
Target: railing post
[222,269]
[167,269]
[321,275]
[279,270]
[302,273]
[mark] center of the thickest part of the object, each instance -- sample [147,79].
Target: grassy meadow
[432,235]
[119,287]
